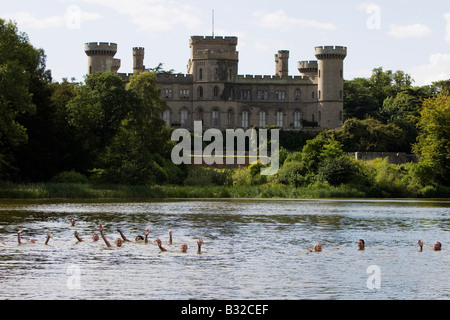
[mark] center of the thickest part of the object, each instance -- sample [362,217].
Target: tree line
[104,130]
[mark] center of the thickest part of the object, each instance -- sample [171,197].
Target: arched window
[297,119]
[184,117]
[262,118]
[297,95]
[200,92]
[245,119]
[280,119]
[215,118]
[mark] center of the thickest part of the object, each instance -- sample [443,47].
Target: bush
[336,171]
[70,177]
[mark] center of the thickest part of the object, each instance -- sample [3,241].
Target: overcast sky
[413,36]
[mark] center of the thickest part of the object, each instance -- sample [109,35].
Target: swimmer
[184,248]
[94,237]
[72,222]
[48,237]
[137,239]
[146,235]
[118,241]
[122,235]
[159,243]
[317,248]
[199,244]
[361,244]
[20,241]
[437,246]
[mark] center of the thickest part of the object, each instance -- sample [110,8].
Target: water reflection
[252,250]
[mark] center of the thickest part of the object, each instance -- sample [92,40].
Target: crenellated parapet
[100,49]
[308,68]
[331,52]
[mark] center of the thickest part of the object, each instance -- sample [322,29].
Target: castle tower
[100,56]
[282,63]
[308,68]
[138,60]
[213,59]
[331,85]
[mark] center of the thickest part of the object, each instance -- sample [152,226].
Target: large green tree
[22,85]
[433,145]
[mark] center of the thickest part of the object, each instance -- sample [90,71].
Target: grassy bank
[90,191]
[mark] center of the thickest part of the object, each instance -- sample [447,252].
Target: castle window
[166,117]
[262,94]
[280,95]
[297,95]
[245,119]
[216,92]
[167,93]
[200,92]
[245,94]
[320,94]
[215,118]
[184,117]
[184,93]
[313,95]
[341,73]
[280,119]
[200,74]
[262,118]
[297,119]
[340,94]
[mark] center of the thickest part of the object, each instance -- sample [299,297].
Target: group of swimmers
[118,242]
[361,245]
[184,248]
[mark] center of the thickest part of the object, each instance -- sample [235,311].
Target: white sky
[413,36]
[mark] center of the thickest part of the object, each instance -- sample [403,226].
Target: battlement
[330,52]
[138,51]
[179,77]
[100,48]
[307,65]
[271,78]
[211,39]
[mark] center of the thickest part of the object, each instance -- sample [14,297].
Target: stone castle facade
[215,93]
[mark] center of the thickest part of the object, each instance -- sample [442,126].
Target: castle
[213,92]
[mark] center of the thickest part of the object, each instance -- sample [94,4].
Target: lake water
[253,249]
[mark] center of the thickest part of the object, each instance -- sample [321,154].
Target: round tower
[331,85]
[100,56]
[138,60]
[308,68]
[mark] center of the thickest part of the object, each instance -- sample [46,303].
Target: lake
[252,250]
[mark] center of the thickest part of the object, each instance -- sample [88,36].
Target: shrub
[70,177]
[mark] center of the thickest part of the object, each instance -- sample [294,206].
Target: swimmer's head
[361,244]
[437,246]
[118,242]
[184,247]
[139,238]
[95,237]
[318,247]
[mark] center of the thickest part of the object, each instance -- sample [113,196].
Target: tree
[22,76]
[433,143]
[96,114]
[138,153]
